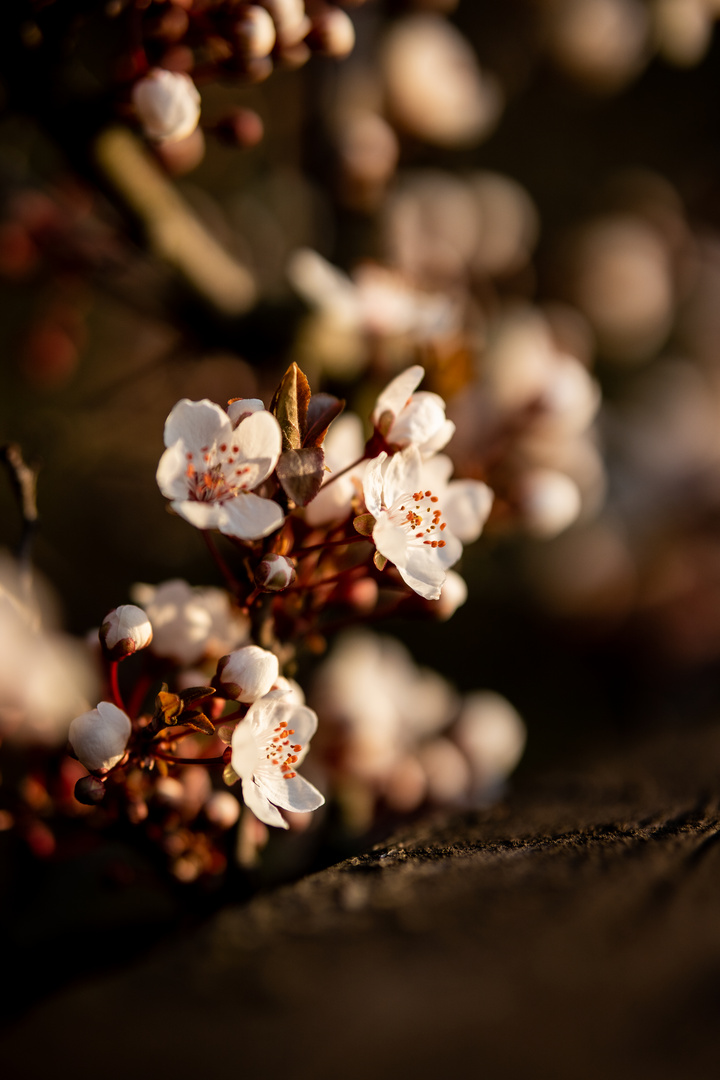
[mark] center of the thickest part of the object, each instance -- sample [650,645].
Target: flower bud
[167,104]
[89,790]
[247,673]
[99,737]
[275,573]
[125,630]
[254,33]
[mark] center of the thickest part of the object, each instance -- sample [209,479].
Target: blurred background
[522,197]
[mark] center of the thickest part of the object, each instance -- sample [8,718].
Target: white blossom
[247,674]
[410,530]
[267,748]
[210,468]
[167,104]
[410,417]
[100,737]
[190,623]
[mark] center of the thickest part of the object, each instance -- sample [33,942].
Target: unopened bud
[89,790]
[333,33]
[247,673]
[125,630]
[167,104]
[99,737]
[275,573]
[255,33]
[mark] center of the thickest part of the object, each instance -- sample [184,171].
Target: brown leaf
[322,410]
[364,524]
[290,406]
[301,473]
[199,722]
[380,560]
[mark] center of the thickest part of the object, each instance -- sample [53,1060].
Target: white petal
[198,424]
[260,441]
[249,517]
[171,472]
[466,505]
[261,807]
[423,572]
[245,750]
[439,440]
[403,475]
[391,541]
[240,406]
[396,394]
[269,712]
[203,515]
[373,485]
[419,421]
[436,472]
[294,794]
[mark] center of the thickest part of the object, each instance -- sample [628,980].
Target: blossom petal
[244,750]
[440,439]
[197,423]
[423,571]
[249,516]
[396,394]
[171,472]
[242,406]
[419,421]
[203,515]
[373,485]
[261,807]
[466,504]
[260,441]
[403,475]
[297,793]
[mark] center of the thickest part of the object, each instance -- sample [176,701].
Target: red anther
[434,498]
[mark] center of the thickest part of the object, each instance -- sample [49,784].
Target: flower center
[420,516]
[215,478]
[281,751]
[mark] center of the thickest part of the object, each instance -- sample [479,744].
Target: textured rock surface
[571,932]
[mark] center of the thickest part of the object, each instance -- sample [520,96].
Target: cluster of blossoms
[313,539]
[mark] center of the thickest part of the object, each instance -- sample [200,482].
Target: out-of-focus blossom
[125,630]
[600,43]
[190,623]
[268,747]
[210,468]
[622,279]
[222,809]
[409,528]
[46,677]
[682,30]
[410,417]
[247,674]
[492,735]
[549,501]
[167,104]
[435,89]
[100,737]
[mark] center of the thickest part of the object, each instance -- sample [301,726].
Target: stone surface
[572,931]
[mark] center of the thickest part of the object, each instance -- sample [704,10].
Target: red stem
[115,685]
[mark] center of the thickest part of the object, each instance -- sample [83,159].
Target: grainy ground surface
[570,932]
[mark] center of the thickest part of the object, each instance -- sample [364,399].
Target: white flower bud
[125,630]
[99,737]
[275,572]
[167,104]
[247,674]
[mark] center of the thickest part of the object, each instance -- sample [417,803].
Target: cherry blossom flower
[167,104]
[210,468]
[189,622]
[99,737]
[125,630]
[410,527]
[410,417]
[267,747]
[466,503]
